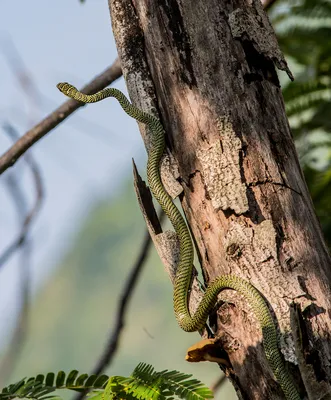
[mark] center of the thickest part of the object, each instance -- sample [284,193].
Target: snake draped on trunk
[192,323]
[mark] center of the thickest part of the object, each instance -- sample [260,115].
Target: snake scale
[184,269]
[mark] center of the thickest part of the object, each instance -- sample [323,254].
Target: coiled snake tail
[184,269]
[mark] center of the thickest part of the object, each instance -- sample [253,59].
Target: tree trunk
[208,68]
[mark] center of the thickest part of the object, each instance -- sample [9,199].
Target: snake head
[66,88]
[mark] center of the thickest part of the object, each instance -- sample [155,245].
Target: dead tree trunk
[207,68]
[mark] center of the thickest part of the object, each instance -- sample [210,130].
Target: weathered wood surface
[207,68]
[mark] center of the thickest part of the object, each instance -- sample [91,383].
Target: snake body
[184,269]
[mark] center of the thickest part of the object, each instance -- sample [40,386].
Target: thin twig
[127,292]
[21,72]
[28,219]
[267,3]
[215,387]
[128,289]
[56,117]
[16,344]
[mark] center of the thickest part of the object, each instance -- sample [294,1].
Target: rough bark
[208,69]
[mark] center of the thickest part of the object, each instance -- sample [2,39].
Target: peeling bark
[207,69]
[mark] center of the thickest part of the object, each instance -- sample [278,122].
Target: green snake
[187,322]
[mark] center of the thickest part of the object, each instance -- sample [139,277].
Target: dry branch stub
[166,243]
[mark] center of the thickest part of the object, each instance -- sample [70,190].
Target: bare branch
[28,219]
[112,73]
[56,117]
[112,343]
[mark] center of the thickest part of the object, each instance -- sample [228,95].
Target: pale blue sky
[88,155]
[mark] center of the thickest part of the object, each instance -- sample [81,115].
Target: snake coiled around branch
[187,322]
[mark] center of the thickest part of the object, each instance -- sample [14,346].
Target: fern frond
[301,88]
[145,390]
[184,387]
[303,27]
[145,383]
[143,371]
[311,12]
[306,95]
[313,9]
[37,388]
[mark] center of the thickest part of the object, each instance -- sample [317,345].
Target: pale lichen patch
[221,170]
[169,173]
[265,240]
[167,246]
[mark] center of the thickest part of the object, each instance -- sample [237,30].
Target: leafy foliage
[303,29]
[40,386]
[144,383]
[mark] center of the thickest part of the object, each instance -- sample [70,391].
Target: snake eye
[64,87]
[61,86]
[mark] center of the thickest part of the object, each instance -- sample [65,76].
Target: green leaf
[71,378]
[60,379]
[90,380]
[49,381]
[81,379]
[100,381]
[40,378]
